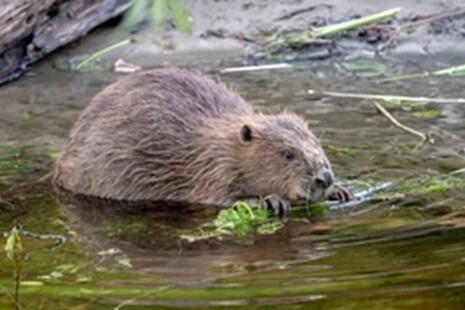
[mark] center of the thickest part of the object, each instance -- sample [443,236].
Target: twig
[256,68]
[458,171]
[426,19]
[424,137]
[125,303]
[309,36]
[17,279]
[386,97]
[100,53]
[129,301]
[448,71]
[43,178]
[359,22]
[8,294]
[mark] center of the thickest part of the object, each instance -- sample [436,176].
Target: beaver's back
[159,111]
[170,96]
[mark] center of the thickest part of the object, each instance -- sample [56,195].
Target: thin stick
[17,278]
[257,68]
[386,97]
[426,19]
[448,71]
[458,171]
[404,77]
[425,138]
[100,53]
[370,19]
[7,293]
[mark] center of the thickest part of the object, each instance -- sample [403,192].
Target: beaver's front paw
[338,192]
[279,206]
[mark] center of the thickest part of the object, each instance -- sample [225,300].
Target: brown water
[401,253]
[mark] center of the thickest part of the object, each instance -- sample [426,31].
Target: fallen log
[31,29]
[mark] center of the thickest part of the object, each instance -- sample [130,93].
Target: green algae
[22,163]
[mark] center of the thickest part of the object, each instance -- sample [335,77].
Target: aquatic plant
[241,220]
[14,252]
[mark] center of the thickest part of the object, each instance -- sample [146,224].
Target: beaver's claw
[280,207]
[340,193]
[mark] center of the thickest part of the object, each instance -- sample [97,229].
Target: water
[400,252]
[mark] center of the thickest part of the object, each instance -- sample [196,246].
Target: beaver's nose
[324,179]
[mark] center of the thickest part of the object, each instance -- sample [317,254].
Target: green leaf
[181,19]
[134,15]
[159,12]
[240,221]
[426,113]
[367,68]
[124,261]
[13,245]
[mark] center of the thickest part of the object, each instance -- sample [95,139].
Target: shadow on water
[405,250]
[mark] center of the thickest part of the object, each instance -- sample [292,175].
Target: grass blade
[134,15]
[159,11]
[359,22]
[180,16]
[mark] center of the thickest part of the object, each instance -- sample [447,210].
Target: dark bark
[31,29]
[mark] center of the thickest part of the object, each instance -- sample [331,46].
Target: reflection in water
[148,233]
[299,265]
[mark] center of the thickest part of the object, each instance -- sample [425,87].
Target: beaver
[175,135]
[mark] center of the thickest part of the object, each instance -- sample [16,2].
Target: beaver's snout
[324,179]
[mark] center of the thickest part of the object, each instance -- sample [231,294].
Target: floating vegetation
[387,97]
[415,104]
[427,188]
[89,63]
[342,151]
[21,162]
[315,35]
[241,220]
[366,68]
[433,185]
[451,71]
[426,113]
[329,30]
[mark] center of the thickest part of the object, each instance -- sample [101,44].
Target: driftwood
[31,29]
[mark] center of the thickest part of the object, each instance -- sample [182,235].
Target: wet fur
[175,135]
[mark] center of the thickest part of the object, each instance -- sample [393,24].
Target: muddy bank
[242,32]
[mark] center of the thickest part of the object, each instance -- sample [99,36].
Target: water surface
[404,253]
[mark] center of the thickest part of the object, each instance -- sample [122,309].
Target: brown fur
[174,135]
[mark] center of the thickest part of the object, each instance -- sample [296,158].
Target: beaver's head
[280,155]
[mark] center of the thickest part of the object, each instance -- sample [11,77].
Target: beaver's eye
[288,154]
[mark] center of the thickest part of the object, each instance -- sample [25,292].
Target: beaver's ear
[246,134]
